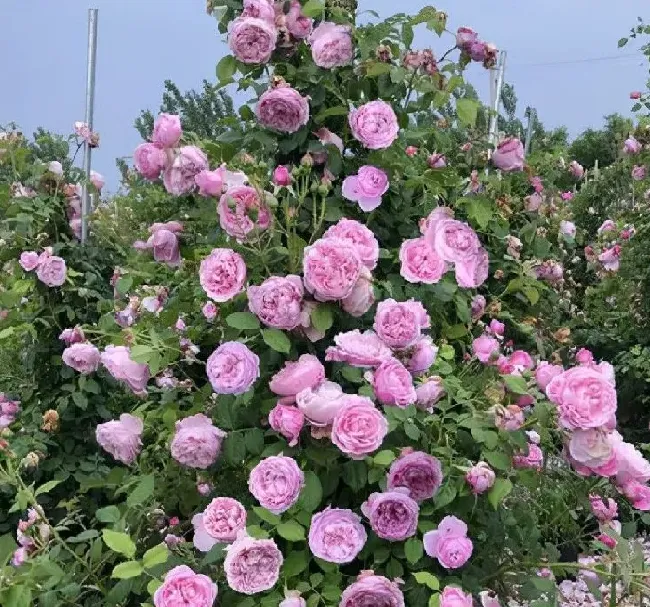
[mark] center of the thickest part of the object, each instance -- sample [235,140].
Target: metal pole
[90,108]
[532,115]
[492,134]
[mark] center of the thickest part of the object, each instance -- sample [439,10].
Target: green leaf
[295,563]
[455,331]
[427,579]
[338,110]
[266,516]
[8,332]
[292,531]
[384,458]
[445,496]
[434,600]
[142,491]
[126,570]
[141,354]
[243,320]
[411,430]
[622,42]
[311,494]
[313,8]
[277,340]
[226,68]
[501,488]
[516,384]
[153,585]
[119,542]
[532,293]
[352,374]
[497,459]
[155,556]
[377,68]
[254,440]
[413,550]
[322,317]
[216,553]
[80,399]
[47,487]
[480,210]
[84,536]
[123,284]
[355,474]
[467,110]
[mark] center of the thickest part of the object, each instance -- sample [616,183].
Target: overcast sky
[144,42]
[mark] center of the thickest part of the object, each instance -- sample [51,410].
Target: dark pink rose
[366,187]
[283,109]
[167,131]
[393,384]
[241,211]
[252,40]
[418,472]
[374,125]
[509,155]
[149,160]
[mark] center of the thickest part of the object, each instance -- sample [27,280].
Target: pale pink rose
[568,228]
[362,297]
[609,225]
[486,349]
[480,478]
[277,302]
[630,464]
[178,177]
[281,176]
[478,307]
[220,522]
[372,591]
[452,240]
[165,247]
[465,37]
[584,356]
[19,557]
[210,183]
[473,272]
[182,586]
[429,393]
[437,161]
[28,260]
[496,328]
[576,169]
[97,179]
[545,372]
[331,268]
[520,361]
[360,237]
[260,9]
[8,411]
[209,310]
[510,417]
[393,515]
[374,125]
[276,483]
[252,40]
[121,438]
[399,324]
[117,361]
[509,155]
[593,450]
[604,509]
[638,494]
[299,25]
[288,421]
[534,459]
[533,202]
[632,146]
[331,45]
[320,404]
[167,131]
[72,336]
[149,160]
[232,368]
[366,187]
[455,597]
[537,184]
[196,442]
[610,258]
[584,397]
[252,565]
[82,357]
[82,130]
[306,325]
[638,172]
[283,109]
[222,274]
[358,427]
[56,168]
[393,384]
[241,211]
[296,376]
[420,263]
[51,270]
[449,543]
[358,349]
[422,356]
[418,472]
[292,598]
[566,196]
[326,137]
[336,535]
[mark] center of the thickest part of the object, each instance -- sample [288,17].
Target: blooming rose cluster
[50,269]
[468,42]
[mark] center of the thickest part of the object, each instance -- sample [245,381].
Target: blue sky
[143,42]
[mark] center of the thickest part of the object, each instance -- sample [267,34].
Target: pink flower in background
[260,9]
[478,305]
[167,131]
[604,509]
[449,543]
[635,95]
[29,260]
[576,169]
[326,137]
[282,176]
[196,442]
[252,565]
[584,356]
[56,168]
[181,583]
[121,438]
[455,597]
[453,241]
[204,489]
[210,310]
[638,494]
[82,357]
[366,187]
[331,268]
[545,372]
[336,535]
[422,356]
[179,175]
[277,302]
[374,125]
[568,228]
[360,237]
[509,155]
[220,522]
[429,393]
[288,421]
[521,361]
[534,459]
[537,184]
[97,179]
[533,202]
[486,349]
[82,130]
[358,349]
[252,40]
[358,427]
[418,472]
[638,172]
[283,109]
[276,483]
[232,368]
[420,263]
[222,274]
[149,160]
[480,477]
[165,246]
[292,599]
[210,183]
[473,272]
[296,376]
[630,463]
[393,515]
[593,451]
[632,146]
[496,328]
[362,297]
[319,404]
[51,269]
[393,384]
[610,258]
[372,591]
[465,37]
[437,161]
[510,417]
[331,45]
[72,336]
[609,225]
[399,324]
[411,151]
[117,361]
[8,411]
[241,211]
[299,25]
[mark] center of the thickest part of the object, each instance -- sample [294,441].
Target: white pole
[90,109]
[492,134]
[532,114]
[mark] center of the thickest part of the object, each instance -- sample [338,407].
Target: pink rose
[509,418]
[584,356]
[276,483]
[336,535]
[277,302]
[210,183]
[51,270]
[220,522]
[465,37]
[455,597]
[326,137]
[480,478]
[473,272]
[358,427]
[509,155]
[299,25]
[418,472]
[252,565]
[486,349]
[296,376]
[196,442]
[232,368]
[437,161]
[374,125]
[97,179]
[121,438]
[632,146]
[520,361]
[165,247]
[635,95]
[72,336]
[260,9]
[576,169]
[429,393]
[28,260]
[320,404]
[393,384]
[372,590]
[420,263]
[178,177]
[366,187]
[638,172]
[399,324]
[393,515]
[630,464]
[167,131]
[149,160]
[222,274]
[533,202]
[610,258]
[56,168]
[184,587]
[449,543]
[604,509]
[478,307]
[209,310]
[331,45]
[82,357]
[241,211]
[331,268]
[362,297]
[593,451]
[585,398]
[292,599]
[534,459]
[360,237]
[117,361]
[358,349]
[422,356]
[568,228]
[288,421]
[638,494]
[609,225]
[252,40]
[8,411]
[452,240]
[283,109]
[545,372]
[281,176]
[82,130]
